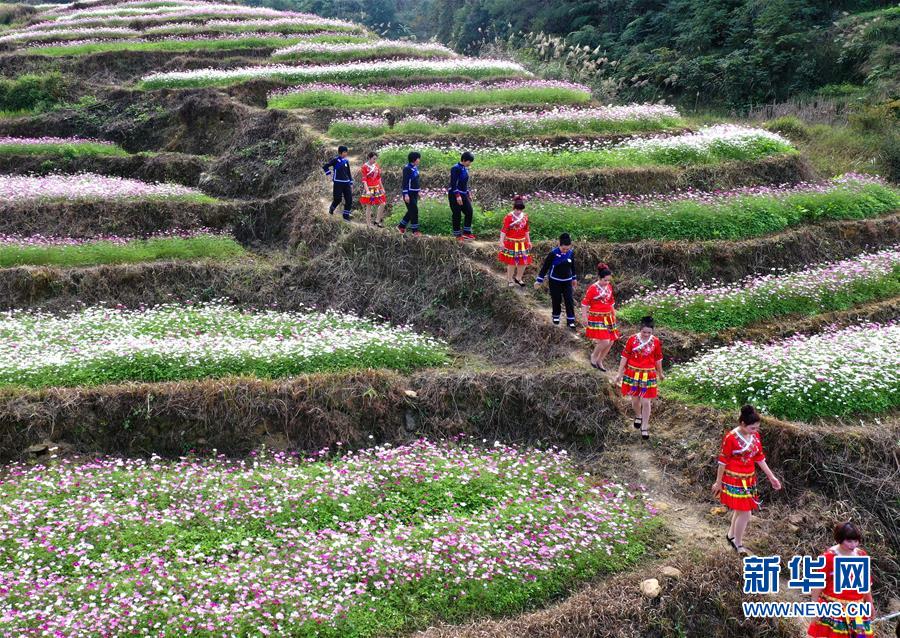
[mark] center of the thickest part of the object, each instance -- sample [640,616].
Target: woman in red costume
[598,314]
[640,369]
[515,243]
[736,479]
[847,538]
[373,190]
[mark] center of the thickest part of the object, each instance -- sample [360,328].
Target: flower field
[839,372]
[173,342]
[689,215]
[67,251]
[64,146]
[90,186]
[821,288]
[555,121]
[711,145]
[365,544]
[315,52]
[350,71]
[432,94]
[177,26]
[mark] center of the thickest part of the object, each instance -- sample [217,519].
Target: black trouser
[458,211]
[411,217]
[342,190]
[560,290]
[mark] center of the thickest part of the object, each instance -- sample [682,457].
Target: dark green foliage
[31,92]
[697,52]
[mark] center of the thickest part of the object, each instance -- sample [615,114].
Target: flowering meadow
[171,342]
[90,186]
[431,94]
[186,43]
[558,120]
[358,71]
[821,288]
[686,215]
[838,372]
[367,543]
[314,52]
[64,146]
[710,145]
[176,26]
[37,250]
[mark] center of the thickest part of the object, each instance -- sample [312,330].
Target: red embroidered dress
[639,378]
[601,318]
[371,174]
[516,249]
[844,626]
[739,455]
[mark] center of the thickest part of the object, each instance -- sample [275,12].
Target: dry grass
[308,412]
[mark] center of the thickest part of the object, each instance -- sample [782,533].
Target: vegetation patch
[30,93]
[70,147]
[68,252]
[633,118]
[357,71]
[366,543]
[709,146]
[691,215]
[374,49]
[822,288]
[838,372]
[432,94]
[182,44]
[173,342]
[92,187]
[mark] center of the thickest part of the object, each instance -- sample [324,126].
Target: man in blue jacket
[559,269]
[342,182]
[410,187]
[458,194]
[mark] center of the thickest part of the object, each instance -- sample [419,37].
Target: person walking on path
[847,538]
[559,269]
[338,169]
[410,188]
[599,316]
[735,484]
[640,369]
[460,201]
[373,195]
[515,243]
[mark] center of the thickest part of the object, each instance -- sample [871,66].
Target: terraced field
[287,424]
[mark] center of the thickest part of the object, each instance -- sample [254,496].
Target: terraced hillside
[283,423]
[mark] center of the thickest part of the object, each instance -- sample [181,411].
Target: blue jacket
[559,265]
[459,180]
[339,169]
[410,179]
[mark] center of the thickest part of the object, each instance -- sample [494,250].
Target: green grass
[702,316]
[334,57]
[381,99]
[338,74]
[573,160]
[173,46]
[739,218]
[349,130]
[71,150]
[106,252]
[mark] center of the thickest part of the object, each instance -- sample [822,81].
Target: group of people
[374,197]
[640,364]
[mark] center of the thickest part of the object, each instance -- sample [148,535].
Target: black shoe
[556,322]
[645,434]
[637,423]
[731,541]
[573,327]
